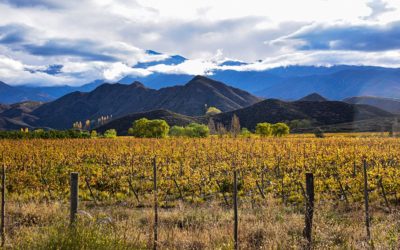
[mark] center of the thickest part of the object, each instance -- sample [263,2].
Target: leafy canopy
[263,129]
[145,128]
[192,130]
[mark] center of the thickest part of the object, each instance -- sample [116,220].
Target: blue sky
[52,42]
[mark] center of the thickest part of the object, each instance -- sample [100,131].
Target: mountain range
[180,105]
[287,82]
[117,100]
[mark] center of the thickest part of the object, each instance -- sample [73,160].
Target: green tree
[111,133]
[280,129]
[245,133]
[213,111]
[93,134]
[145,128]
[263,129]
[197,130]
[177,131]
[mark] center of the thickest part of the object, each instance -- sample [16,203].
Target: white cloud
[13,71]
[190,67]
[123,29]
[118,70]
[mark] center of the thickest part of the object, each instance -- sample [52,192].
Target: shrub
[111,133]
[280,129]
[42,134]
[263,129]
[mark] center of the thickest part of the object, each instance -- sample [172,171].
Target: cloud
[80,48]
[13,33]
[103,39]
[15,72]
[32,3]
[189,67]
[344,37]
[118,70]
[378,8]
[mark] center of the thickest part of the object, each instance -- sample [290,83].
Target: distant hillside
[321,113]
[314,97]
[286,83]
[119,100]
[389,104]
[379,124]
[10,94]
[124,123]
[330,114]
[352,81]
[18,115]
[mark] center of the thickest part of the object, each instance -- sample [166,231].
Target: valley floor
[195,189]
[266,225]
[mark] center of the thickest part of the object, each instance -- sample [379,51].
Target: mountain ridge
[119,99]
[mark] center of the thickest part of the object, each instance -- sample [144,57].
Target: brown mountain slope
[119,100]
[321,113]
[329,113]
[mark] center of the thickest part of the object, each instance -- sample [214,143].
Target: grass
[268,225]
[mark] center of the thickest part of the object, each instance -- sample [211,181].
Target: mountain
[320,113]
[286,83]
[18,115]
[124,123]
[314,97]
[119,100]
[357,81]
[10,94]
[389,104]
[331,115]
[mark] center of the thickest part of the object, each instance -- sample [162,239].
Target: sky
[52,42]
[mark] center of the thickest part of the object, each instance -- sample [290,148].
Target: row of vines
[201,169]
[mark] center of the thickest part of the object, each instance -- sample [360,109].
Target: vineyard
[195,185]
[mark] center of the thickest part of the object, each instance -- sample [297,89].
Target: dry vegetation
[200,170]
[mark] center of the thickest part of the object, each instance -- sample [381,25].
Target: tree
[212,111]
[145,128]
[221,130]
[263,129]
[235,126]
[280,129]
[111,133]
[245,133]
[87,124]
[211,126]
[197,130]
[93,134]
[177,131]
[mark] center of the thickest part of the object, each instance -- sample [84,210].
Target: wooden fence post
[74,197]
[367,219]
[155,204]
[309,209]
[235,210]
[3,205]
[380,183]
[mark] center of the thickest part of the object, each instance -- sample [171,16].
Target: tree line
[145,128]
